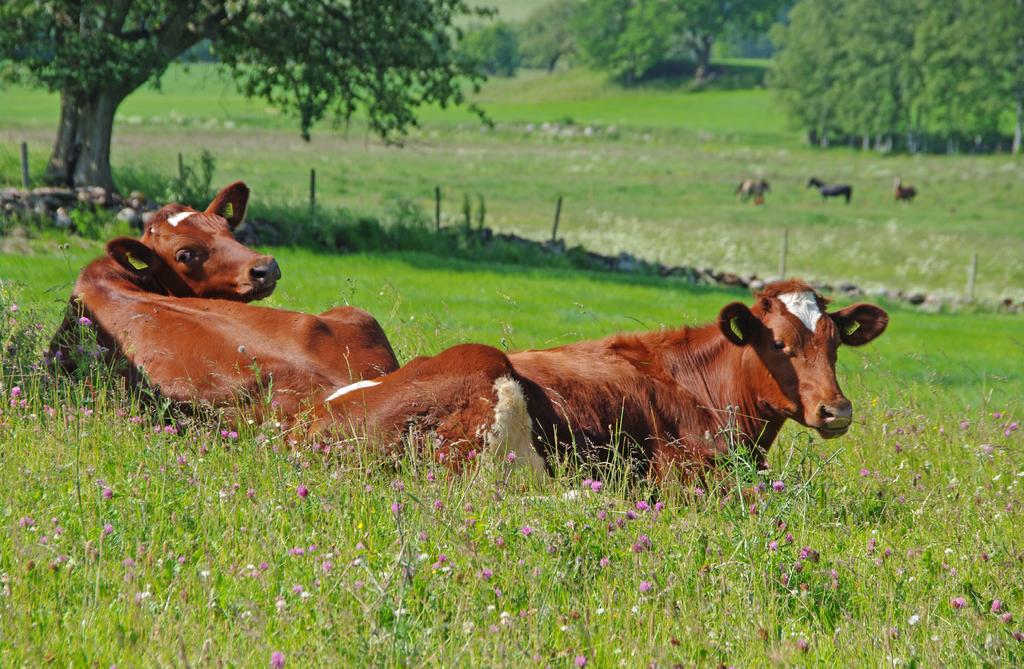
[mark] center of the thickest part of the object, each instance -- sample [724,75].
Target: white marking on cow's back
[803,305]
[345,390]
[179,217]
[511,430]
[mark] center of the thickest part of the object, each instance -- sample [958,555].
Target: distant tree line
[918,75]
[627,38]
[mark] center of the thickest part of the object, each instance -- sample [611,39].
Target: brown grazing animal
[753,188]
[901,192]
[674,399]
[174,305]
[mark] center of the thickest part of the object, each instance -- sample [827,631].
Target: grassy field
[900,544]
[654,175]
[127,544]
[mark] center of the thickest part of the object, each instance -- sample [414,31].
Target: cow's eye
[778,344]
[186,256]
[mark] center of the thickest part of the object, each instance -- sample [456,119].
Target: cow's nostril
[268,273]
[840,412]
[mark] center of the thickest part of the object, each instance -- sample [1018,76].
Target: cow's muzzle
[835,418]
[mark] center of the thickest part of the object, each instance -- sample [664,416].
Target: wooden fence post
[24,166]
[181,169]
[782,254]
[437,208]
[312,191]
[972,276]
[558,215]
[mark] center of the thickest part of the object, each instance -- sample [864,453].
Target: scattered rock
[625,262]
[62,219]
[131,217]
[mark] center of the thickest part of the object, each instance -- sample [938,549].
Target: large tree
[629,37]
[315,58]
[547,36]
[704,21]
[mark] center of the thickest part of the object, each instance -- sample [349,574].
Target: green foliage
[600,26]
[494,49]
[193,186]
[905,75]
[631,37]
[329,58]
[93,223]
[547,37]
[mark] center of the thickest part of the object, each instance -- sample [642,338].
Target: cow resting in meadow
[677,399]
[174,305]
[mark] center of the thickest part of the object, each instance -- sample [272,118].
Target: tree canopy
[924,74]
[629,37]
[383,58]
[494,48]
[548,35]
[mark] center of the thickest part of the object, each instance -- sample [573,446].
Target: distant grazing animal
[833,190]
[674,400]
[901,192]
[173,305]
[753,188]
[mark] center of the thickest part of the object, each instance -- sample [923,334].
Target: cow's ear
[860,323]
[739,324]
[231,204]
[133,255]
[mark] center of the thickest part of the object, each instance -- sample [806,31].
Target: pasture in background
[646,170]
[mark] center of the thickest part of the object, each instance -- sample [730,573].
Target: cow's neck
[110,278]
[724,380]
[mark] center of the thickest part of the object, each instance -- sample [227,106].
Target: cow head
[189,253]
[791,343]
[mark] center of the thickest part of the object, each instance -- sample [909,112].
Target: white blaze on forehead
[179,217]
[804,306]
[345,390]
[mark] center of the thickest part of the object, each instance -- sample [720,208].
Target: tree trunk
[553,62]
[65,152]
[81,154]
[702,49]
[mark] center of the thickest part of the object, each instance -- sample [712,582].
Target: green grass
[658,184]
[436,303]
[199,564]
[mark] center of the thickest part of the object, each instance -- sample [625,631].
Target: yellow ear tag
[135,262]
[852,327]
[735,327]
[228,211]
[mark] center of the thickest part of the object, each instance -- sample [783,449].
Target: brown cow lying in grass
[174,305]
[678,399]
